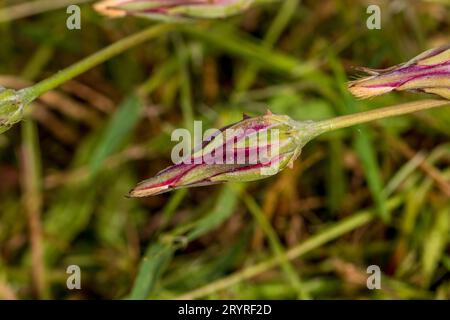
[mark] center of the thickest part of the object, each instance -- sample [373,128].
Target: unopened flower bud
[11,108]
[249,150]
[429,72]
[161,9]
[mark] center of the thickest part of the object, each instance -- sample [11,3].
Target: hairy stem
[93,60]
[382,113]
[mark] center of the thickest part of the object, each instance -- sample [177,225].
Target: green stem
[276,246]
[328,234]
[31,8]
[93,60]
[382,113]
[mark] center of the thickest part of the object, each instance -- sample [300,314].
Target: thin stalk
[382,113]
[282,19]
[99,57]
[32,199]
[276,246]
[31,169]
[27,9]
[328,234]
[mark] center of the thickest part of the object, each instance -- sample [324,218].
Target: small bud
[163,9]
[429,72]
[11,108]
[249,150]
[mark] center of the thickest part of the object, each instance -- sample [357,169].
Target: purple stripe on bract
[411,78]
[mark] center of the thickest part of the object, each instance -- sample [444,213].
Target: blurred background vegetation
[376,194]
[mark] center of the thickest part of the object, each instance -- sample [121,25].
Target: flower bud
[249,150]
[11,108]
[429,72]
[163,9]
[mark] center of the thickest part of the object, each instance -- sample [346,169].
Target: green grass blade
[116,132]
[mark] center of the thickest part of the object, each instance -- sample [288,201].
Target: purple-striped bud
[163,9]
[429,72]
[249,150]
